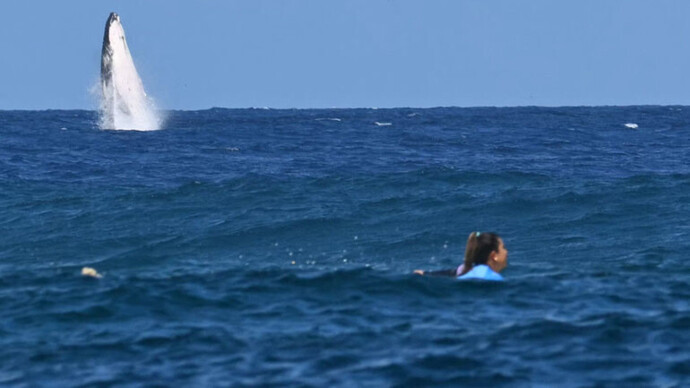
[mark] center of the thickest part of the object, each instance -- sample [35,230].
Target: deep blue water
[275,248]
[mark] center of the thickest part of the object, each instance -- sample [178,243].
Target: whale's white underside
[124,103]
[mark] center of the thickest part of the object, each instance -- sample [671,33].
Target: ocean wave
[290,261]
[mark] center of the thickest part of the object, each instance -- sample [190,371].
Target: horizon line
[367,108]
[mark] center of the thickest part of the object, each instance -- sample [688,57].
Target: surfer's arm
[444,272]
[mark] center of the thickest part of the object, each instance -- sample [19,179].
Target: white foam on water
[381,124]
[631,125]
[124,103]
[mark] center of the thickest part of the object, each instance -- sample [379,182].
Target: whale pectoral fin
[124,108]
[122,105]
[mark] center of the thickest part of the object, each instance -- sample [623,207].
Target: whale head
[114,17]
[114,34]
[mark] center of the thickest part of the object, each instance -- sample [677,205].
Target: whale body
[124,103]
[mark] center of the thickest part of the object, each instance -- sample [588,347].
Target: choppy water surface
[274,247]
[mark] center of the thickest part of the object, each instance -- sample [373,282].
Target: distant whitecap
[328,119]
[631,125]
[382,124]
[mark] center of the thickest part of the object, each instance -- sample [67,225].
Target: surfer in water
[485,257]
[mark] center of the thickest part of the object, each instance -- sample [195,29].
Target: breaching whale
[124,103]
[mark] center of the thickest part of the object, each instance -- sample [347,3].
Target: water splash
[124,103]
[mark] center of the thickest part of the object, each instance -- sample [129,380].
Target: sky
[355,53]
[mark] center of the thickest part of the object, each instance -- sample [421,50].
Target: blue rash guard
[481,272]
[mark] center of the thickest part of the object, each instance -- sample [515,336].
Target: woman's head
[485,248]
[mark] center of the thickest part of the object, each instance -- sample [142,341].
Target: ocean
[264,247]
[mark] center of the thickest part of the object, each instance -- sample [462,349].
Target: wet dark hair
[479,247]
